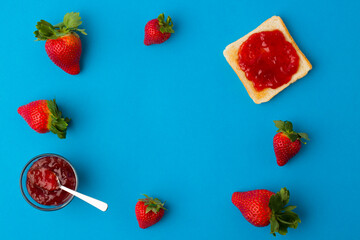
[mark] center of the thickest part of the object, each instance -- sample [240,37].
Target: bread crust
[231,55]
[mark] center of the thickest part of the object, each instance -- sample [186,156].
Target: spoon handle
[92,201]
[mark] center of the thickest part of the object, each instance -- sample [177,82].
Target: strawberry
[44,116]
[287,143]
[262,207]
[149,211]
[63,45]
[157,30]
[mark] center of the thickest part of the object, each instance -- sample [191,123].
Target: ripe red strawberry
[63,45]
[149,211]
[44,116]
[157,30]
[287,143]
[261,207]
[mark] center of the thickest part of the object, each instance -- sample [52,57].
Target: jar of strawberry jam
[40,178]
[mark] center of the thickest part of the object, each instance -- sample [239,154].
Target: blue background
[174,121]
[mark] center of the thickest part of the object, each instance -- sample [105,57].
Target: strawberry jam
[268,60]
[42,180]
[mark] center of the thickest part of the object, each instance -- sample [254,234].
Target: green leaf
[290,216]
[152,204]
[288,208]
[285,196]
[293,136]
[161,18]
[146,196]
[294,226]
[282,216]
[72,20]
[279,124]
[283,230]
[82,31]
[44,23]
[304,135]
[38,36]
[165,27]
[168,20]
[275,202]
[148,209]
[45,31]
[280,219]
[58,123]
[59,25]
[274,225]
[288,126]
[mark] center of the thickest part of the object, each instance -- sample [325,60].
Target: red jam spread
[268,60]
[42,180]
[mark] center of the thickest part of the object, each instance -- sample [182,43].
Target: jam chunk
[268,60]
[44,178]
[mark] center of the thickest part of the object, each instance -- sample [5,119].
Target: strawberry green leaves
[46,30]
[165,27]
[58,124]
[286,127]
[304,135]
[152,204]
[72,21]
[282,216]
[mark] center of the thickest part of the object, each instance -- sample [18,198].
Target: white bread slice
[231,55]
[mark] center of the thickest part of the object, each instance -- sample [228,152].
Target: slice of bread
[231,55]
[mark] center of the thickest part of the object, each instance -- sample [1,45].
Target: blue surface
[174,121]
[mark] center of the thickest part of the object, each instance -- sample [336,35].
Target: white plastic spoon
[46,175]
[92,201]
